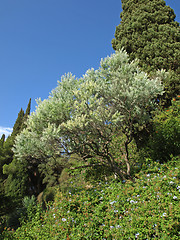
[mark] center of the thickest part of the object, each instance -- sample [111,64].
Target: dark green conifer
[10,140]
[27,113]
[2,140]
[148,31]
[14,180]
[28,109]
[18,124]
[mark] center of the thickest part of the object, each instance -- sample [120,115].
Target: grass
[146,209]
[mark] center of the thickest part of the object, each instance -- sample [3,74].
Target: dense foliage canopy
[148,31]
[82,115]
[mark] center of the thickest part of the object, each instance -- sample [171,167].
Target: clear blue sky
[43,39]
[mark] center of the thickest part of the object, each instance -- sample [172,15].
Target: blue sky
[43,39]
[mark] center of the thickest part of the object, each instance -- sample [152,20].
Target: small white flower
[115,211]
[111,226]
[118,226]
[64,219]
[164,214]
[136,235]
[171,182]
[174,197]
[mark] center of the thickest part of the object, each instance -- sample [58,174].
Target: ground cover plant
[145,209]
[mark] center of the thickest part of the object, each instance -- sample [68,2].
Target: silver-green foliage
[82,115]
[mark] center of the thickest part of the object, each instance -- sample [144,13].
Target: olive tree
[82,115]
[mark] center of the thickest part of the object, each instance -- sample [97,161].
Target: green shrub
[165,140]
[145,209]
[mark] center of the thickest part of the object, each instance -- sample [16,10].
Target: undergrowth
[145,209]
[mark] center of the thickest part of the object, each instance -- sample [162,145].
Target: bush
[165,140]
[146,209]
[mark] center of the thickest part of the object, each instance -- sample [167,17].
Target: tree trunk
[127,158]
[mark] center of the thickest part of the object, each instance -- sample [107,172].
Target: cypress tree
[27,113]
[18,124]
[148,31]
[10,140]
[28,109]
[13,175]
[2,140]
[17,128]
